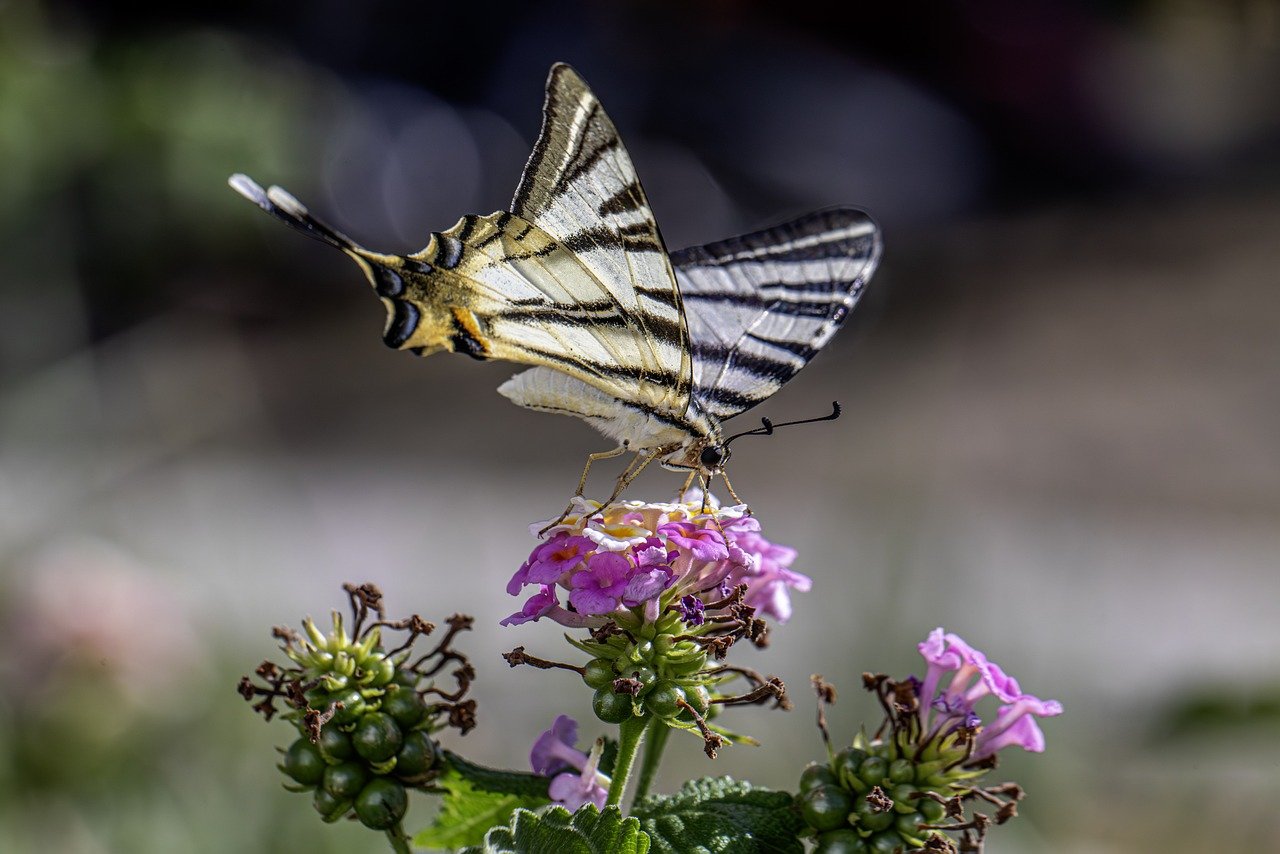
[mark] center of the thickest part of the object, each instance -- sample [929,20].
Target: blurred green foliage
[84,767]
[116,155]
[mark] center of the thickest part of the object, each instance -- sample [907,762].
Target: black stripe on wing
[760,306]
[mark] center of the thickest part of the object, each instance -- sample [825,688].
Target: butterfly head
[712,458]
[704,454]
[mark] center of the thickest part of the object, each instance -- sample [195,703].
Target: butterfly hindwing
[759,306]
[580,187]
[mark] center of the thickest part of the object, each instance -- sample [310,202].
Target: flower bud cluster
[366,728]
[654,673]
[870,798]
[916,778]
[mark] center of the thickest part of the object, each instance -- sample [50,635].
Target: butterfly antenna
[281,204]
[767,427]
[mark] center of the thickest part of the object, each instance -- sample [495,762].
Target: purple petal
[543,572]
[538,605]
[593,601]
[608,568]
[519,580]
[573,793]
[1015,724]
[647,584]
[548,754]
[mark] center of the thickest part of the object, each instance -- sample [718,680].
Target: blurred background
[1062,429]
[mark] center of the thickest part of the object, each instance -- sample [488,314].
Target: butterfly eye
[712,456]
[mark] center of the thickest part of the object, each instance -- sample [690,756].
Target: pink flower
[648,556]
[702,543]
[574,791]
[599,588]
[973,677]
[765,568]
[554,558]
[554,752]
[538,605]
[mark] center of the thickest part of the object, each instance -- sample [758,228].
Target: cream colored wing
[576,278]
[580,187]
[499,287]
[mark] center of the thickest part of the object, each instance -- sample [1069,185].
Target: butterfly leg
[632,472]
[732,494]
[582,482]
[684,490]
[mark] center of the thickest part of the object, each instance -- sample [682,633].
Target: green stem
[399,842]
[658,732]
[630,734]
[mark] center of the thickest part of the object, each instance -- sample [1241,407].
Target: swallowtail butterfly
[653,349]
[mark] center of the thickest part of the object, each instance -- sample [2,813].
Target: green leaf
[721,816]
[555,831]
[499,780]
[476,799]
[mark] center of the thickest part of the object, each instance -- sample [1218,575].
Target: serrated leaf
[721,816]
[498,780]
[555,831]
[470,808]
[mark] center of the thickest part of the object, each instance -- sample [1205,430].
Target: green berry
[345,781]
[382,672]
[407,678]
[331,808]
[902,771]
[909,825]
[599,673]
[842,841]
[335,745]
[815,775]
[377,737]
[869,819]
[932,811]
[902,800]
[646,675]
[405,707]
[873,770]
[417,757]
[846,765]
[381,804]
[826,807]
[303,762]
[885,843]
[698,697]
[353,706]
[610,707]
[664,699]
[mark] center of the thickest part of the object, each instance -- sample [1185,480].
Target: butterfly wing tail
[283,206]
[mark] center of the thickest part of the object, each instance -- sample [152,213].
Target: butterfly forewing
[758,307]
[580,187]
[530,299]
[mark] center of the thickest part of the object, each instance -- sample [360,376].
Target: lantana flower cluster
[947,710]
[600,562]
[898,791]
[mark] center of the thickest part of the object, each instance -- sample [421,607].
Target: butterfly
[654,349]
